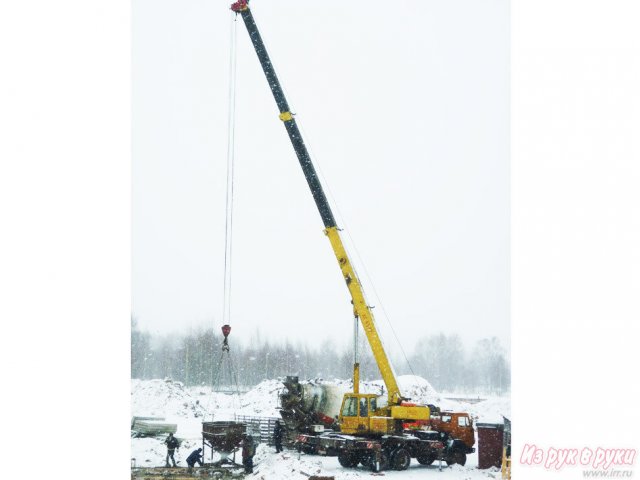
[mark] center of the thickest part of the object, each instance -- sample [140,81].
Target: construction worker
[248,451]
[193,458]
[172,443]
[277,436]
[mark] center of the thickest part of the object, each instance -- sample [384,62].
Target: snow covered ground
[189,407]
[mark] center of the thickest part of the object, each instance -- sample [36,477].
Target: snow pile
[418,390]
[262,400]
[491,410]
[148,452]
[347,385]
[213,402]
[186,407]
[164,398]
[269,465]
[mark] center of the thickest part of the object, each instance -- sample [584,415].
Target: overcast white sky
[405,108]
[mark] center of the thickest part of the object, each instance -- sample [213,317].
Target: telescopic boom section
[361,309]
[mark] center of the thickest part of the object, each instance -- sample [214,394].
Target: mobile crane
[369,433]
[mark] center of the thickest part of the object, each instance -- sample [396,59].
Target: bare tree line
[196,359]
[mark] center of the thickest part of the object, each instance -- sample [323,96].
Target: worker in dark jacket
[193,458]
[248,451]
[172,443]
[277,436]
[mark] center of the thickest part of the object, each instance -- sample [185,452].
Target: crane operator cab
[360,415]
[357,413]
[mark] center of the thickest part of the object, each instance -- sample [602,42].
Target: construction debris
[181,473]
[151,426]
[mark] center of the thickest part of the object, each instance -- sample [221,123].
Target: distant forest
[196,359]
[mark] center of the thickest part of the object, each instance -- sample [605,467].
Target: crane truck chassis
[370,434]
[310,413]
[387,452]
[449,437]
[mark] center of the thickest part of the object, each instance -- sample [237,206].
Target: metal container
[490,437]
[223,437]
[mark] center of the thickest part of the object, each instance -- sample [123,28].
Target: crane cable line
[228,227]
[233,373]
[217,374]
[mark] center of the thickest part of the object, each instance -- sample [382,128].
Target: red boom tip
[240,5]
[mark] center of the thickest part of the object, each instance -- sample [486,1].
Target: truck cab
[457,425]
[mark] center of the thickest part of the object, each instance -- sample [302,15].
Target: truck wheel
[457,457]
[348,459]
[426,458]
[309,450]
[400,459]
[366,460]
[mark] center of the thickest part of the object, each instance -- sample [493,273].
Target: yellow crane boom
[360,413]
[363,312]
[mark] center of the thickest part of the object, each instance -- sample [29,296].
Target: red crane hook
[226,330]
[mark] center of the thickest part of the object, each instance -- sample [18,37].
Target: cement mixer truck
[310,407]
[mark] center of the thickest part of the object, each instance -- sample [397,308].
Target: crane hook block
[240,5]
[226,330]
